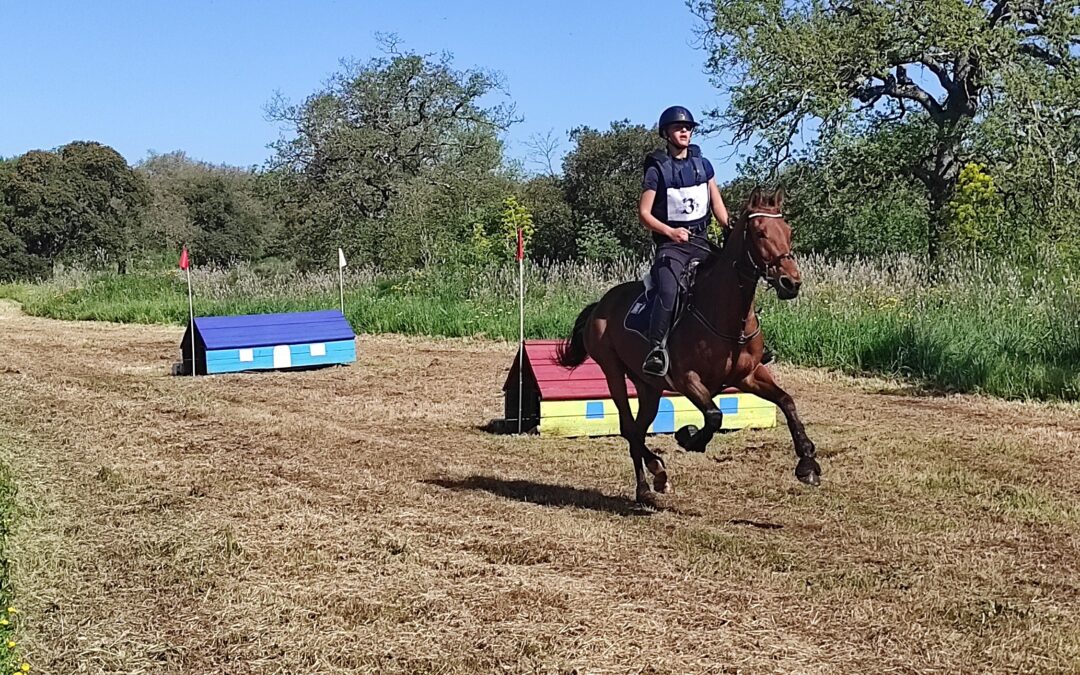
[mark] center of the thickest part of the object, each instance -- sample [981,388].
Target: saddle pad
[637,317]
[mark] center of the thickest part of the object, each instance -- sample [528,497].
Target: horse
[715,343]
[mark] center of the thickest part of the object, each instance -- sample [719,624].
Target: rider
[679,220]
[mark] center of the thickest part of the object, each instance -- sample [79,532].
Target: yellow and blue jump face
[576,402]
[599,417]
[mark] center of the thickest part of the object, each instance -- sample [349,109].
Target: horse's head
[768,243]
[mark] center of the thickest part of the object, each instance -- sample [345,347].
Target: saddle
[637,317]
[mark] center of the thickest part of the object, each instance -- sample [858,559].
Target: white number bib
[686,204]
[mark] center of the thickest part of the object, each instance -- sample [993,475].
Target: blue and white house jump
[230,344]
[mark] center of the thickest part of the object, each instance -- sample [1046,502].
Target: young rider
[678,194]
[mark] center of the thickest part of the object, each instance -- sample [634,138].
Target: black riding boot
[657,361]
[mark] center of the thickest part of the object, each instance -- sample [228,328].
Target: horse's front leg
[628,428]
[648,405]
[694,389]
[760,382]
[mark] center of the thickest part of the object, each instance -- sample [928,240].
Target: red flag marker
[185,264]
[521,319]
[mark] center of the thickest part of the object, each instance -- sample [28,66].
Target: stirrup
[656,363]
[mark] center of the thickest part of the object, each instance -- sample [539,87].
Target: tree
[82,202]
[380,133]
[225,213]
[111,199]
[515,218]
[831,67]
[168,224]
[39,201]
[544,151]
[15,262]
[226,232]
[556,231]
[1030,143]
[602,178]
[846,195]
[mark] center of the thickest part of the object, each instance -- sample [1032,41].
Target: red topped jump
[556,383]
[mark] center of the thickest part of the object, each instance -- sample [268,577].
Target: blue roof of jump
[261,330]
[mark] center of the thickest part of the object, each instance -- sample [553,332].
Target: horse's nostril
[787,283]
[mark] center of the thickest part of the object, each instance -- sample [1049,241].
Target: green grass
[451,303]
[1000,328]
[992,327]
[9,651]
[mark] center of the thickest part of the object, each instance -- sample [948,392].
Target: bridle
[770,270]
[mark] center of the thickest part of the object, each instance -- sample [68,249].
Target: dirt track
[357,520]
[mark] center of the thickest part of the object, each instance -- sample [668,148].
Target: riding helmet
[675,113]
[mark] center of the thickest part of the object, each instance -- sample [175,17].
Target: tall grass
[1005,328]
[984,325]
[453,302]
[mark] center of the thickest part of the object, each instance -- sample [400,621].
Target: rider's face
[678,134]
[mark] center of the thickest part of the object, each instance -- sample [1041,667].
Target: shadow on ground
[544,494]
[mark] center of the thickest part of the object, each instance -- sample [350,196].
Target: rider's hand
[679,235]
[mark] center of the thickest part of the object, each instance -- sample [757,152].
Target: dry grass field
[358,520]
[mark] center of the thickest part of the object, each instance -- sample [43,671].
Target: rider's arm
[650,221]
[717,202]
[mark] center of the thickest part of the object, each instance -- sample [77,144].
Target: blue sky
[196,75]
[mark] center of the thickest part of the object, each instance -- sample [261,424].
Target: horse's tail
[571,352]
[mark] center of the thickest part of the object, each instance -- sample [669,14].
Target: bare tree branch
[1041,54]
[543,150]
[909,91]
[938,69]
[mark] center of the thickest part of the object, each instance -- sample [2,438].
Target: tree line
[894,125]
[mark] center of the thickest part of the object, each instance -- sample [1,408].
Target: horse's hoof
[661,483]
[685,438]
[648,501]
[660,477]
[645,496]
[808,471]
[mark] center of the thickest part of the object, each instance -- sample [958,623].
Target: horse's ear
[755,197]
[778,198]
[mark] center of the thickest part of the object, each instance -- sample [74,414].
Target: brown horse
[716,344]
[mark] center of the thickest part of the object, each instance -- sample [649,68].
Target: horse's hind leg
[648,405]
[761,383]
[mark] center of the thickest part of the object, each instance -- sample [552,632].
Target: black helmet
[675,113]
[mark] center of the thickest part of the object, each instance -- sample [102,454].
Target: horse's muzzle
[787,287]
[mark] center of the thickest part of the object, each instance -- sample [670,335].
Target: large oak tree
[942,69]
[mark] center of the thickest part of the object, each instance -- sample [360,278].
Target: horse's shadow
[544,494]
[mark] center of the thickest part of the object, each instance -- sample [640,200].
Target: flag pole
[191,316]
[341,278]
[521,323]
